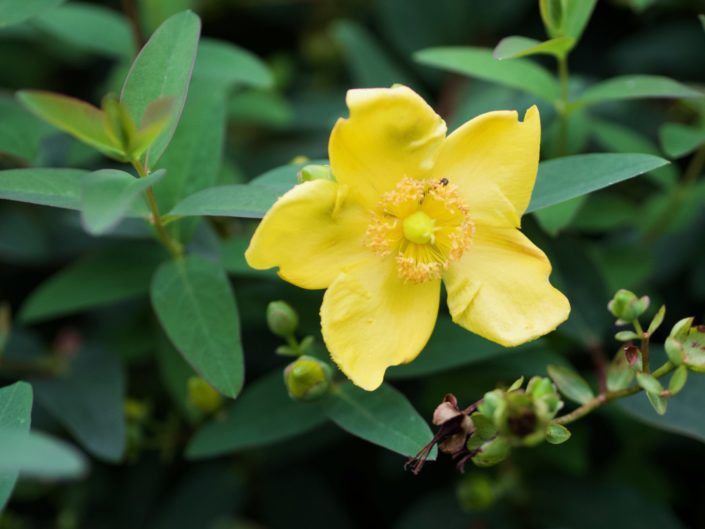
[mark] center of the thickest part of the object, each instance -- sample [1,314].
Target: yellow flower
[411,207]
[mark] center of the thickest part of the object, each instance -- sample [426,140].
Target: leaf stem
[604,398]
[563,110]
[644,337]
[169,243]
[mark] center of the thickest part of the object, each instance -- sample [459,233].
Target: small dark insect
[444,181]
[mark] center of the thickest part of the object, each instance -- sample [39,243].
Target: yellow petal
[371,320]
[391,133]
[493,159]
[500,290]
[310,233]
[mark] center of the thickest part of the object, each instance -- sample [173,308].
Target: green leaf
[571,384]
[108,195]
[564,178]
[236,200]
[59,188]
[263,415]
[87,400]
[618,138]
[576,15]
[15,414]
[479,63]
[193,158]
[678,380]
[679,140]
[369,62]
[109,275]
[556,218]
[658,403]
[516,46]
[89,27]
[14,11]
[163,69]
[649,383]
[39,455]
[78,118]
[383,417]
[685,410]
[21,133]
[657,321]
[196,307]
[635,87]
[223,63]
[451,346]
[557,434]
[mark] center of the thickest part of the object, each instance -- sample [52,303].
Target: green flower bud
[202,396]
[307,378]
[477,492]
[282,319]
[694,349]
[626,307]
[674,350]
[492,452]
[309,173]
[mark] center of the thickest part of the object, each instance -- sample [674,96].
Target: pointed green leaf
[649,383]
[264,414]
[564,178]
[557,434]
[87,399]
[236,200]
[59,188]
[196,307]
[516,46]
[108,195]
[659,404]
[520,74]
[15,414]
[78,118]
[679,140]
[163,69]
[657,321]
[678,380]
[224,63]
[109,275]
[635,87]
[576,15]
[89,27]
[383,417]
[571,384]
[14,11]
[39,455]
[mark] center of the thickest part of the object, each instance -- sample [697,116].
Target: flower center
[419,228]
[424,225]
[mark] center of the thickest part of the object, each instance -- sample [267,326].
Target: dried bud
[282,319]
[632,354]
[446,410]
[307,378]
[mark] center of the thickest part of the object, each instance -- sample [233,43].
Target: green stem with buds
[608,396]
[169,243]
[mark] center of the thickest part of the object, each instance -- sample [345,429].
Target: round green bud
[309,173]
[477,492]
[492,452]
[694,349]
[282,319]
[307,378]
[202,396]
[626,306]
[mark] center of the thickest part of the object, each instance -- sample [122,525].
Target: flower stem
[604,398]
[644,337]
[169,243]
